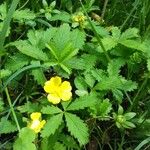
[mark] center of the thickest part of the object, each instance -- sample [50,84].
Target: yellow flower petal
[52,85]
[65,86]
[42,123]
[65,96]
[53,98]
[55,81]
[35,116]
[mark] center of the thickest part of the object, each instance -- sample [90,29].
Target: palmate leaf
[25,140]
[52,125]
[7,126]
[51,110]
[77,128]
[83,102]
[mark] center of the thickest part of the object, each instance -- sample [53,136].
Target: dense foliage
[74,75]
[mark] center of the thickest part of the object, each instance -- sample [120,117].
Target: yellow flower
[57,90]
[79,17]
[36,124]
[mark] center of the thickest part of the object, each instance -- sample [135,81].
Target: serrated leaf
[63,16]
[51,110]
[98,74]
[128,85]
[77,37]
[25,140]
[38,74]
[89,79]
[84,62]
[109,83]
[134,44]
[82,102]
[63,32]
[59,146]
[130,33]
[7,126]
[52,125]
[29,107]
[25,14]
[80,83]
[116,32]
[77,128]
[108,43]
[114,66]
[30,50]
[102,109]
[69,142]
[16,62]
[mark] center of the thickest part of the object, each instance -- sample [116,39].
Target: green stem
[128,17]
[7,22]
[95,33]
[104,8]
[12,109]
[135,99]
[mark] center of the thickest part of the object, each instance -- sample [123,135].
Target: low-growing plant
[69,80]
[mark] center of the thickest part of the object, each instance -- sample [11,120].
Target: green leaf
[29,107]
[7,126]
[62,16]
[129,115]
[51,110]
[103,108]
[69,142]
[77,37]
[130,33]
[128,124]
[38,74]
[16,62]
[68,52]
[108,43]
[114,66]
[116,32]
[4,73]
[80,83]
[83,102]
[89,79]
[77,128]
[109,83]
[30,50]
[134,44]
[128,85]
[25,140]
[62,37]
[59,146]
[84,62]
[25,14]
[52,125]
